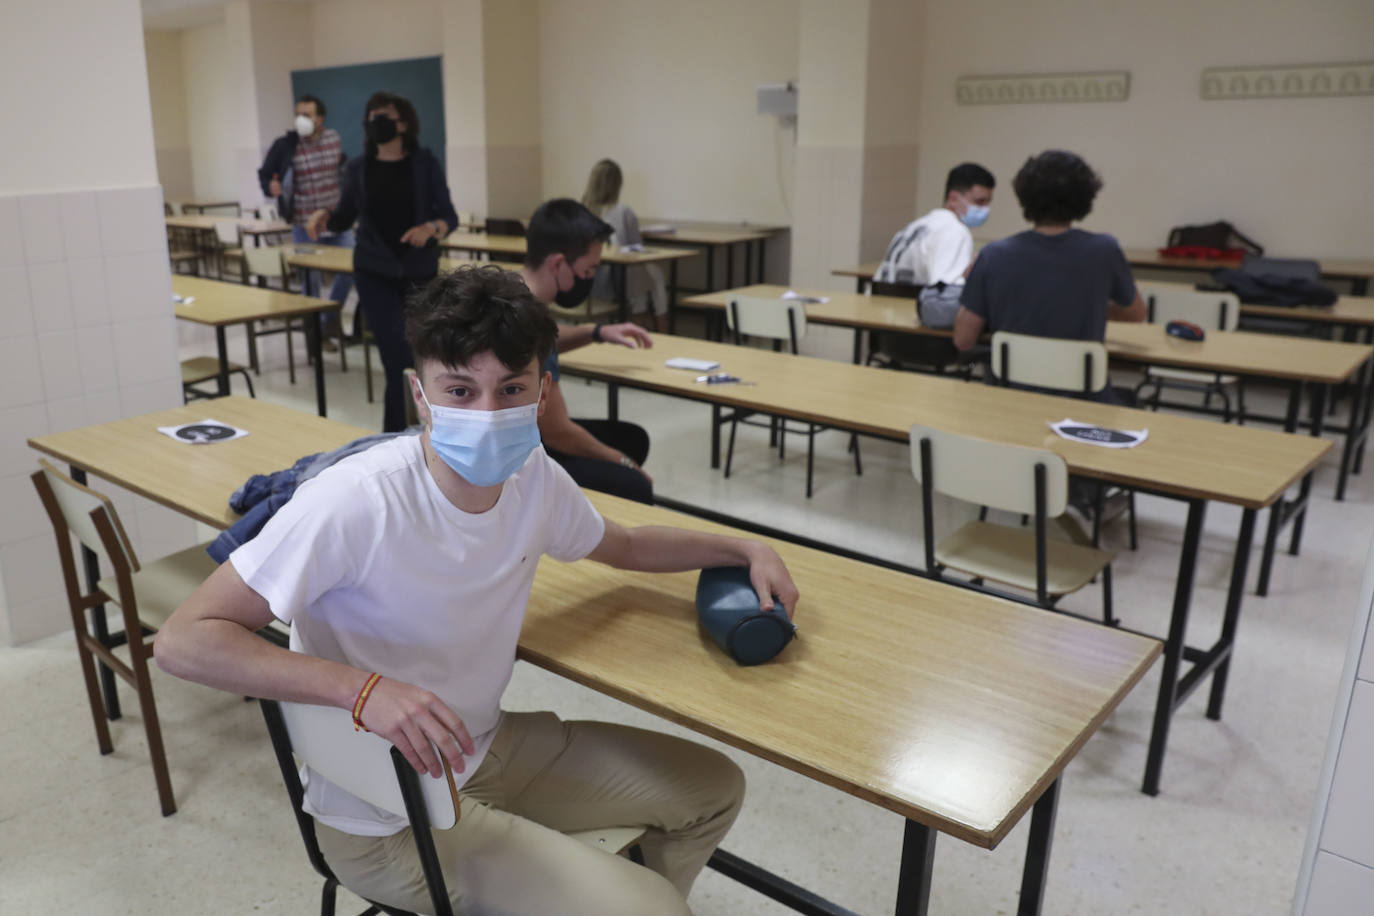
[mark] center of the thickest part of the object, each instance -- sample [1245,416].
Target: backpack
[1277,281]
[1217,241]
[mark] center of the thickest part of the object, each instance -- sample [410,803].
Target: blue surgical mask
[485,447]
[975,216]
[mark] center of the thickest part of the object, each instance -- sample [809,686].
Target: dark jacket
[278,162]
[371,252]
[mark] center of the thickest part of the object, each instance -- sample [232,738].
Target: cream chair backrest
[360,762]
[227,233]
[268,212]
[174,208]
[77,503]
[264,262]
[990,473]
[760,317]
[1211,311]
[1049,362]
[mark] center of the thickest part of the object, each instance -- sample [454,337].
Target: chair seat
[202,369]
[614,840]
[1007,555]
[161,586]
[1189,375]
[181,254]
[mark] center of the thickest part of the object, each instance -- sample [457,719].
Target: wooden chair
[227,248]
[200,369]
[367,766]
[1013,478]
[1211,311]
[781,321]
[1076,367]
[145,593]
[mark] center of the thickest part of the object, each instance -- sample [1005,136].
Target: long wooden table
[961,711]
[219,304]
[1179,460]
[255,228]
[1299,362]
[619,259]
[710,236]
[334,259]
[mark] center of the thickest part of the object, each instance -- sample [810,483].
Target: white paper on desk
[793,294]
[695,365]
[637,246]
[204,432]
[1088,434]
[659,227]
[182,300]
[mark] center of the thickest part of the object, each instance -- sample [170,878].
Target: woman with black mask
[397,193]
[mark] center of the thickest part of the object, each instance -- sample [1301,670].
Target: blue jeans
[310,281]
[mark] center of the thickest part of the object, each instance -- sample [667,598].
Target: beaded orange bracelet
[361,700]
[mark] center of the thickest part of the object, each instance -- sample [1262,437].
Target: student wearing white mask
[301,172]
[935,251]
[408,561]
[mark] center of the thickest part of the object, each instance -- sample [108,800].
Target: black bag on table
[1219,235]
[1287,282]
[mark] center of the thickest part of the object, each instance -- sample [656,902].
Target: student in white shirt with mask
[935,251]
[414,560]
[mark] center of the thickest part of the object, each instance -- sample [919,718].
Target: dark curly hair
[473,310]
[1056,188]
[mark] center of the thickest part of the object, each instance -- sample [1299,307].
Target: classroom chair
[780,321]
[1013,478]
[146,594]
[1054,364]
[1211,311]
[268,213]
[366,765]
[226,247]
[200,369]
[912,352]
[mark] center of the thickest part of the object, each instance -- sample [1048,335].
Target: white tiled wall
[87,336]
[1341,862]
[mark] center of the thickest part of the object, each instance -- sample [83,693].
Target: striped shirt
[315,171]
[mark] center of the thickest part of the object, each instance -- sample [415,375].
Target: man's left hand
[420,235]
[627,334]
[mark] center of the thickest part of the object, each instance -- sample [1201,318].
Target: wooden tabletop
[1182,456]
[863,270]
[1335,268]
[1240,352]
[247,225]
[515,244]
[219,303]
[691,235]
[712,225]
[196,480]
[340,260]
[946,706]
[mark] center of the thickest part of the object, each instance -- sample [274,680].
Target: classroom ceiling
[170,15]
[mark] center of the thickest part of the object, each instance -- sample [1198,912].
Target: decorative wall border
[1299,81]
[1040,88]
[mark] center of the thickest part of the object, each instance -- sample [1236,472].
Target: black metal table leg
[1276,512]
[729,266]
[748,262]
[1356,430]
[1037,867]
[622,289]
[763,246]
[1173,646]
[222,347]
[918,859]
[1240,565]
[90,562]
[1305,489]
[314,340]
[715,437]
[711,268]
[859,285]
[672,296]
[613,402]
[858,345]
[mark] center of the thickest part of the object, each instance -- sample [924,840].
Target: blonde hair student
[645,283]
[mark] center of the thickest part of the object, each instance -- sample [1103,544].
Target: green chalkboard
[345,91]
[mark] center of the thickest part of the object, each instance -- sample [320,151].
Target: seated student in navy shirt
[1051,280]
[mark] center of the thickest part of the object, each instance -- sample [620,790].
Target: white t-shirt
[372,566]
[936,248]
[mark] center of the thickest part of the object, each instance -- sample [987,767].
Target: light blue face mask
[975,216]
[485,447]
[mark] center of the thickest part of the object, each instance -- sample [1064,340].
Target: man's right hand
[274,186]
[315,224]
[416,722]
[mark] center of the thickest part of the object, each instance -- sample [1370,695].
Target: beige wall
[167,94]
[210,109]
[1292,173]
[667,90]
[361,31]
[283,39]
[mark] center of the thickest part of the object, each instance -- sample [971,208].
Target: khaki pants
[542,776]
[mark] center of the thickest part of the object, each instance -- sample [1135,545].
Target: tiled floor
[81,833]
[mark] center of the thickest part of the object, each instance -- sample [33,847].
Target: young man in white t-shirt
[414,560]
[934,252]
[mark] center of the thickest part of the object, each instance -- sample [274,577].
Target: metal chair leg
[810,457]
[730,449]
[858,462]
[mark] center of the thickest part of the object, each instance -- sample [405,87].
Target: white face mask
[305,126]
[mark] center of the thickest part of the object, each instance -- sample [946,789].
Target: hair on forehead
[473,310]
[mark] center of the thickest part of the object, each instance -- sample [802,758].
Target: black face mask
[576,294]
[381,129]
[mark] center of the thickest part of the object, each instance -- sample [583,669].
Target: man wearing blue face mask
[409,561]
[934,252]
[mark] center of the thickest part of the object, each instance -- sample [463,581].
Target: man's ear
[545,384]
[421,410]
